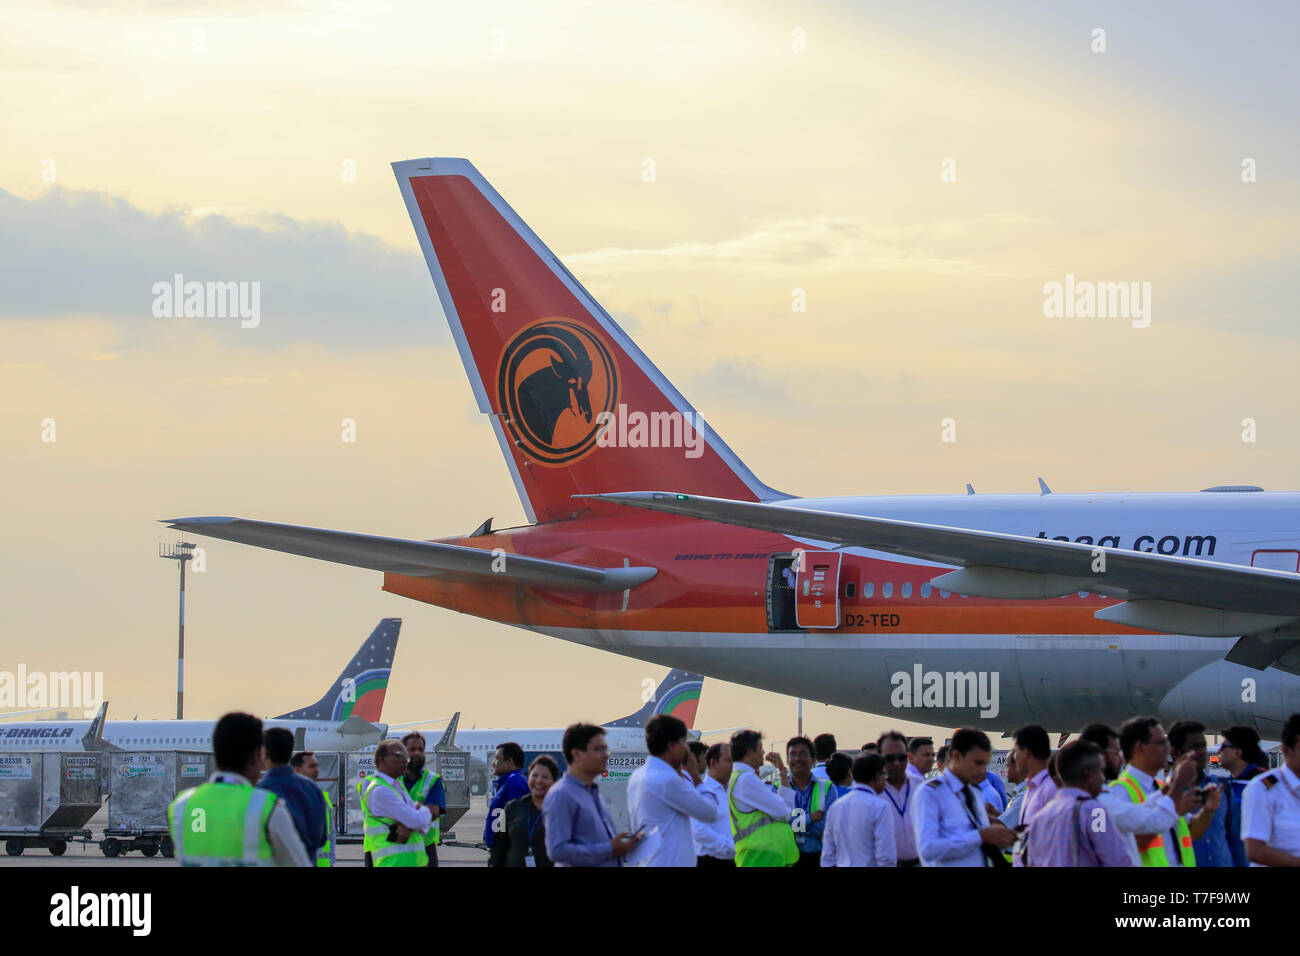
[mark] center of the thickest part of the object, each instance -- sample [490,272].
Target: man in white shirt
[900,795]
[392,801]
[662,799]
[920,758]
[824,746]
[1270,807]
[952,825]
[713,844]
[748,794]
[858,829]
[1146,749]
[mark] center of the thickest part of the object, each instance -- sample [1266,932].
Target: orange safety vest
[1151,846]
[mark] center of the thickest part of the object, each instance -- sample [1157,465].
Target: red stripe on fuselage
[713,579]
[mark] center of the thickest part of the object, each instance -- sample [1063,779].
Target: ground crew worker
[394,823]
[425,787]
[305,763]
[227,821]
[1152,819]
[1270,807]
[951,823]
[808,798]
[760,819]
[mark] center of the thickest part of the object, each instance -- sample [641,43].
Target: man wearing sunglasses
[900,792]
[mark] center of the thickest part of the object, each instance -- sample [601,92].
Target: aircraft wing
[414,558]
[1168,593]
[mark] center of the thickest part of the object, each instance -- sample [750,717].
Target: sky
[920,171]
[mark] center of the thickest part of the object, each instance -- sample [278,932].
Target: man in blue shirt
[579,827]
[808,798]
[1240,755]
[1209,841]
[303,798]
[507,766]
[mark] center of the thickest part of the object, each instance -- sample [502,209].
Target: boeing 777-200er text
[991,610]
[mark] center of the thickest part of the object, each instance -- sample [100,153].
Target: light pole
[180,553]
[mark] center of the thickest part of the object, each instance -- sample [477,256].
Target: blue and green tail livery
[678,694]
[360,689]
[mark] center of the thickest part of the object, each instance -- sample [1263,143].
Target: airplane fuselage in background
[481,745]
[140,735]
[707,609]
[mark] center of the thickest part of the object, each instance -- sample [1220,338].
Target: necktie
[1174,843]
[973,810]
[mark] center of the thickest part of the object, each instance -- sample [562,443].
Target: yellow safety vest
[384,852]
[419,793]
[760,840]
[816,801]
[324,854]
[222,824]
[1151,846]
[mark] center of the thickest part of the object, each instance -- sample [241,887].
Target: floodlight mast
[180,552]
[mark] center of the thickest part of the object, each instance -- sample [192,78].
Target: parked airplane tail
[360,689]
[575,405]
[678,694]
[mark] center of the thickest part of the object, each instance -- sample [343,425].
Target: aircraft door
[817,589]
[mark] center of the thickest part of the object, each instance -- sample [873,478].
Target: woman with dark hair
[523,841]
[1241,756]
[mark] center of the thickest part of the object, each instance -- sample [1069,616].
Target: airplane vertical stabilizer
[359,691]
[575,405]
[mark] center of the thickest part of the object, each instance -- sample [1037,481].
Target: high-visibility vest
[222,824]
[1151,846]
[324,855]
[419,792]
[760,840]
[384,852]
[816,801]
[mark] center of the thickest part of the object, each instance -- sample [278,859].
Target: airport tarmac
[469,829]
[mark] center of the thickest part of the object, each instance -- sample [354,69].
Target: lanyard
[534,818]
[902,811]
[595,798]
[802,801]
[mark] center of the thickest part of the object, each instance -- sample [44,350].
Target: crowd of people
[1134,796]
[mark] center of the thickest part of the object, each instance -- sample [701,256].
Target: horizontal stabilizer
[355,726]
[414,558]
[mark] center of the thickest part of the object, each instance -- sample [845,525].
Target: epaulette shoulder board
[935,782]
[1270,781]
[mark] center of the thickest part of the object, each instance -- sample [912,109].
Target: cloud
[827,243]
[73,253]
